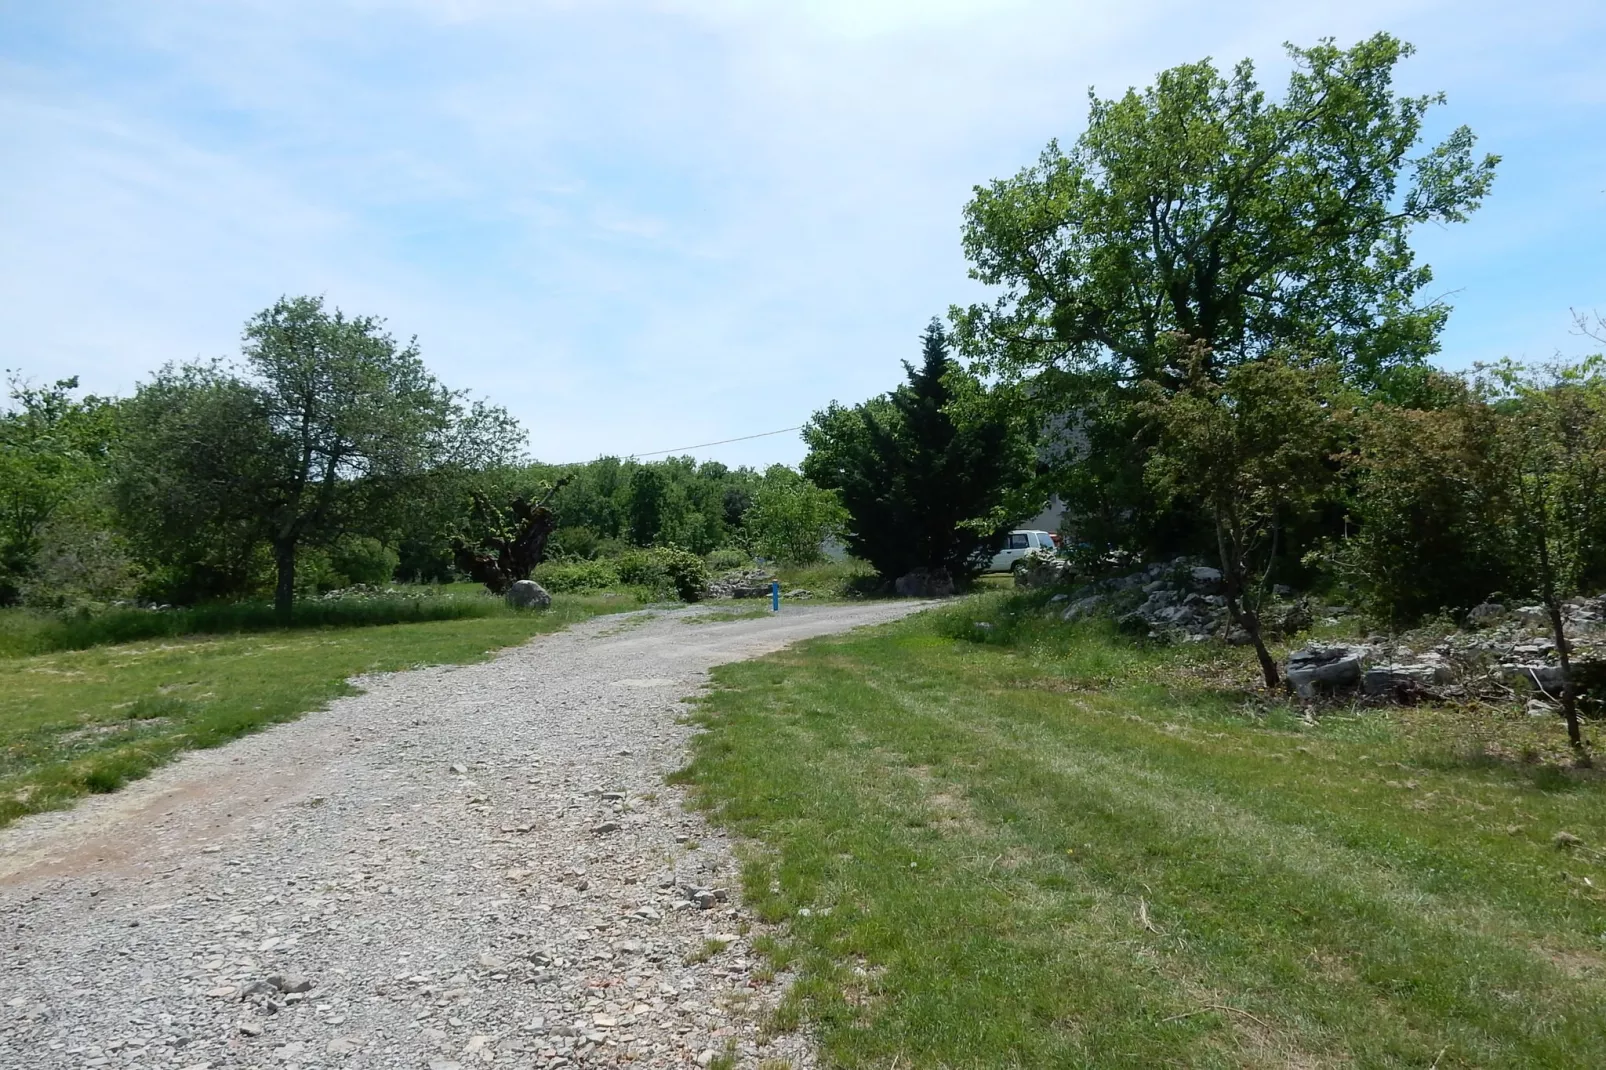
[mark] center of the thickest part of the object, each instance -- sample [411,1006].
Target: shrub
[1428,538]
[364,560]
[725,560]
[559,576]
[665,571]
[576,541]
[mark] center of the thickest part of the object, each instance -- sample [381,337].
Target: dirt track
[476,865]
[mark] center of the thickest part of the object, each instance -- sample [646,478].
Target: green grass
[25,632]
[77,722]
[1042,846]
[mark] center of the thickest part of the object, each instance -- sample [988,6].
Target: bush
[725,560]
[364,560]
[574,542]
[665,571]
[1427,539]
[561,576]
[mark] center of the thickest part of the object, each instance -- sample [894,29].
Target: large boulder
[925,583]
[1318,670]
[527,594]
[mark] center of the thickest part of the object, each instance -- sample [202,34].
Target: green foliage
[53,452]
[560,576]
[365,560]
[644,506]
[790,518]
[1199,207]
[727,559]
[577,541]
[328,430]
[1254,450]
[1425,536]
[666,571]
[81,559]
[929,474]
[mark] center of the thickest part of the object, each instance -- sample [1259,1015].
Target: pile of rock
[1043,568]
[741,583]
[1177,599]
[1509,651]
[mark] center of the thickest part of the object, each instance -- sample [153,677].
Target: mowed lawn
[1042,849]
[84,721]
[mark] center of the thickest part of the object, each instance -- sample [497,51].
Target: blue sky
[642,224]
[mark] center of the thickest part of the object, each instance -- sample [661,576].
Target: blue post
[775,596]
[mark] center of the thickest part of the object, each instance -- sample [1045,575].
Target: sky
[648,224]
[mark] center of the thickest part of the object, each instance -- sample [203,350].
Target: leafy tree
[1249,226]
[187,480]
[1253,449]
[644,507]
[328,429]
[1199,207]
[53,449]
[929,474]
[1549,466]
[790,518]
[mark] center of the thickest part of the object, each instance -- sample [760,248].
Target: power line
[699,446]
[721,442]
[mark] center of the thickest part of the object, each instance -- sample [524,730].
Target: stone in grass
[1315,670]
[527,594]
[1566,841]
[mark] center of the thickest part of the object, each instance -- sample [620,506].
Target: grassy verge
[86,721]
[25,632]
[1034,846]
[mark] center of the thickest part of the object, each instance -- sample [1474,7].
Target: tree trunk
[284,591]
[1232,575]
[1569,692]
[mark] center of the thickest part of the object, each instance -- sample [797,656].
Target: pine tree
[926,485]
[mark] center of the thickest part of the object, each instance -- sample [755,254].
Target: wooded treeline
[330,456]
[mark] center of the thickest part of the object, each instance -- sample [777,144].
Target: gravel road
[465,866]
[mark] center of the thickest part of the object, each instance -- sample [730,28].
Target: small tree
[1252,449]
[928,473]
[1549,462]
[790,517]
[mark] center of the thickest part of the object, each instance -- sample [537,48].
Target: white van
[1017,545]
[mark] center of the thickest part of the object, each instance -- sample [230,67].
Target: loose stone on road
[460,867]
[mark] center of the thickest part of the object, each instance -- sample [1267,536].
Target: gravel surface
[477,865]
